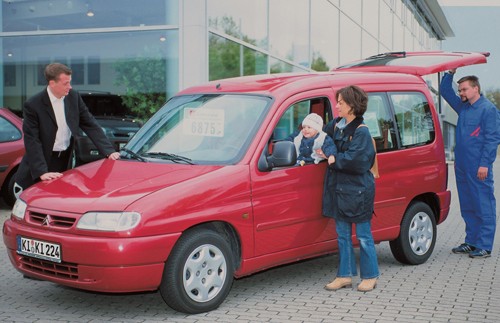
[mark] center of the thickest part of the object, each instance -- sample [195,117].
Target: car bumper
[94,263]
[444,200]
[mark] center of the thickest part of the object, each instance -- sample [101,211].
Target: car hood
[108,185]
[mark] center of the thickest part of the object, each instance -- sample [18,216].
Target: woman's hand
[331,160]
[320,153]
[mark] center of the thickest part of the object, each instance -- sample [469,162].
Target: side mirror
[284,154]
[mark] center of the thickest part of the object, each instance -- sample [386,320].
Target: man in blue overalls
[477,139]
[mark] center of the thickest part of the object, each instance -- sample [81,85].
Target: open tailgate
[416,63]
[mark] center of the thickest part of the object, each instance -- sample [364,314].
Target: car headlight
[19,209]
[109,221]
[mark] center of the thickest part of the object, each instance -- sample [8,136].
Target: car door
[287,200]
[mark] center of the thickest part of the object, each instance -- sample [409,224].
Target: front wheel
[417,237]
[199,272]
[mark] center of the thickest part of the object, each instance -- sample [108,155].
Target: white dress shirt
[63,134]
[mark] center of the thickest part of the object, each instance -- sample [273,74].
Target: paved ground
[448,288]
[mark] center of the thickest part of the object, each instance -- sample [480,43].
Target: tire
[198,274]
[417,237]
[8,195]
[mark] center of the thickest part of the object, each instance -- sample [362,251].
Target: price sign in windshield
[204,122]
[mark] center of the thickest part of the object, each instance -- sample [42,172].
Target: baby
[311,138]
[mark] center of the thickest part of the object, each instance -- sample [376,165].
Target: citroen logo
[46,221]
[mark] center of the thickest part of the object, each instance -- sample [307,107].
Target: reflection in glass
[324,36]
[278,66]
[243,19]
[31,15]
[414,119]
[231,59]
[289,30]
[130,71]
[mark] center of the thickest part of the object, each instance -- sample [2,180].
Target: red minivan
[207,191]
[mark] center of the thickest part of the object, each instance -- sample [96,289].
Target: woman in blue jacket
[350,189]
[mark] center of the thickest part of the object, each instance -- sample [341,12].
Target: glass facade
[123,47]
[155,48]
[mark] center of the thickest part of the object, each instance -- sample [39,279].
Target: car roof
[271,84]
[388,68]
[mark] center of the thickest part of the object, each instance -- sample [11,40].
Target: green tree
[494,96]
[144,79]
[230,59]
[318,63]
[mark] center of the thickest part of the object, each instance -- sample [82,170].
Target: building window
[94,70]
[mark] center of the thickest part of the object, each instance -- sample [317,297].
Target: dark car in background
[117,122]
[11,152]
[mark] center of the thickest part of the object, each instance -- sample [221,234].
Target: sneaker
[480,253]
[463,248]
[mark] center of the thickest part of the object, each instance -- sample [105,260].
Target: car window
[414,119]
[291,120]
[8,132]
[208,129]
[379,120]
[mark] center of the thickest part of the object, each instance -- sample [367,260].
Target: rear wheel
[417,237]
[199,272]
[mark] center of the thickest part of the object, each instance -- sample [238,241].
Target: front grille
[58,270]
[51,220]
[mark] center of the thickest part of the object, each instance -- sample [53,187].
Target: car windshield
[201,129]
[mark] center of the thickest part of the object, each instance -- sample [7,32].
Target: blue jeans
[368,265]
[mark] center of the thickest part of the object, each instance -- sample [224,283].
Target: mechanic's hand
[49,176]
[482,173]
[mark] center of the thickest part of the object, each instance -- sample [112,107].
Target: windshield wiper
[167,156]
[134,155]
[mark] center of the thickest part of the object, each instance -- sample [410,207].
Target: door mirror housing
[284,154]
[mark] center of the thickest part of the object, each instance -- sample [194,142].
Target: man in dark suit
[51,121]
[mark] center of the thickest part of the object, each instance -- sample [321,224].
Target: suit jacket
[40,127]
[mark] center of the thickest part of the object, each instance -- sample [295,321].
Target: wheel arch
[228,232]
[431,200]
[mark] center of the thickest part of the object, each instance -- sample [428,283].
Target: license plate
[39,249]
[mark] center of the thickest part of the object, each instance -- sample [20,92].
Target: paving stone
[447,288]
